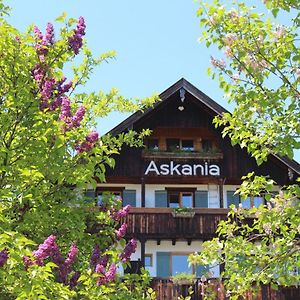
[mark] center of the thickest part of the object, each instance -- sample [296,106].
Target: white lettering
[197,167]
[174,168]
[164,169]
[187,170]
[214,170]
[152,168]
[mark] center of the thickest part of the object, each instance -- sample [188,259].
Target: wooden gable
[186,114]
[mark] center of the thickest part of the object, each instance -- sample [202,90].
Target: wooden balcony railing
[167,290]
[158,223]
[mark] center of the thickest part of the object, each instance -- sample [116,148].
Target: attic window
[174,145]
[152,144]
[206,145]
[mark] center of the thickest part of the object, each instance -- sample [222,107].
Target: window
[152,144]
[107,195]
[148,260]
[177,199]
[173,144]
[206,145]
[254,202]
[187,145]
[178,144]
[179,264]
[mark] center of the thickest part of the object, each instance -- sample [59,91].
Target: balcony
[159,223]
[165,290]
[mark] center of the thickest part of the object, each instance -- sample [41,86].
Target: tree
[49,154]
[260,73]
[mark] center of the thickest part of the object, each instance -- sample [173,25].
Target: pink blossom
[235,77]
[218,63]
[297,71]
[279,32]
[228,52]
[229,39]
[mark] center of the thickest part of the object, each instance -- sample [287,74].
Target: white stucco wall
[151,247]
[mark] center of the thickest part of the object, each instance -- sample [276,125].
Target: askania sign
[172,168]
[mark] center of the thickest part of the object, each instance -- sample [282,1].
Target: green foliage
[261,74]
[43,175]
[187,277]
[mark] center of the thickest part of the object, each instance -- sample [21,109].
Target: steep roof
[216,109]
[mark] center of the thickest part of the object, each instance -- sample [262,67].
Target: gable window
[206,145]
[152,144]
[174,145]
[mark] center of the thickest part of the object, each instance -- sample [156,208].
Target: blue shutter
[163,264]
[201,199]
[161,199]
[129,198]
[232,199]
[201,270]
[90,195]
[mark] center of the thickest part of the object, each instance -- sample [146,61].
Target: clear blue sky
[156,43]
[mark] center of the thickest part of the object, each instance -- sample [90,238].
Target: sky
[156,43]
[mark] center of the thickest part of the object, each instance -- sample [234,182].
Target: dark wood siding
[196,117]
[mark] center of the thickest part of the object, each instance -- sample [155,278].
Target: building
[185,163]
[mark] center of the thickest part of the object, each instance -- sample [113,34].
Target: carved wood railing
[166,290]
[158,223]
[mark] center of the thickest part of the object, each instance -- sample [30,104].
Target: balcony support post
[143,192]
[143,249]
[221,184]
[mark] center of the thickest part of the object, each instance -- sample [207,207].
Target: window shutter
[90,195]
[129,198]
[232,199]
[201,199]
[161,199]
[201,270]
[163,264]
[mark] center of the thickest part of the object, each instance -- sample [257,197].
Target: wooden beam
[143,192]
[143,242]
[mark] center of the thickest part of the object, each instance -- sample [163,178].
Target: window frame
[151,260]
[180,192]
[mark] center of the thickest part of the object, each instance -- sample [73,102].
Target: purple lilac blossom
[92,137]
[122,213]
[3,257]
[74,279]
[95,257]
[48,248]
[77,118]
[75,41]
[111,273]
[38,73]
[65,268]
[128,250]
[49,36]
[121,231]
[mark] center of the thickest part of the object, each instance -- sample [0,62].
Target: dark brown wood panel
[158,223]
